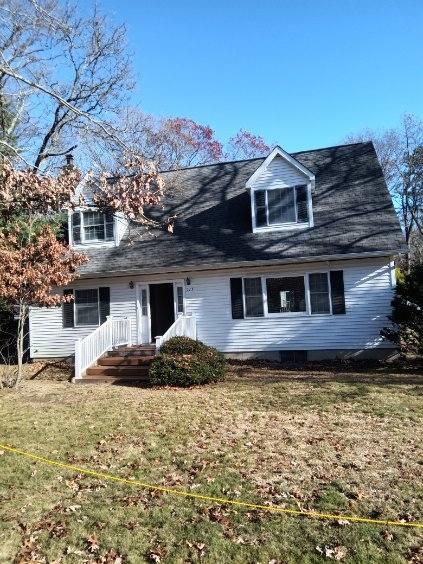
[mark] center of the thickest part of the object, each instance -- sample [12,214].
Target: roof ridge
[212,164]
[216,163]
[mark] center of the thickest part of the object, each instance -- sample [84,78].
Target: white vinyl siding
[279,174]
[368,293]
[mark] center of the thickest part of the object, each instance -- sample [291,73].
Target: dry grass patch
[323,439]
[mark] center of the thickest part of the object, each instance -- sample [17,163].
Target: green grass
[317,440]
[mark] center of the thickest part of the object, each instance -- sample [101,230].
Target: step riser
[136,353]
[125,361]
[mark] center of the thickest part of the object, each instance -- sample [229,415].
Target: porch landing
[121,365]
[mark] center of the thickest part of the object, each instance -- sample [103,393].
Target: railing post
[109,321]
[129,330]
[78,360]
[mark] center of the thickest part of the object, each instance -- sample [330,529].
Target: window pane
[319,292]
[285,294]
[94,233]
[260,201]
[281,205]
[253,297]
[93,222]
[93,218]
[86,307]
[180,299]
[144,305]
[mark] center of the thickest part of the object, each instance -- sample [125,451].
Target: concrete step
[118,371]
[125,361]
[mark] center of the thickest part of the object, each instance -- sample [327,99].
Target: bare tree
[400,153]
[62,74]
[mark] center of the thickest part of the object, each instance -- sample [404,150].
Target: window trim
[286,225]
[87,242]
[75,324]
[306,313]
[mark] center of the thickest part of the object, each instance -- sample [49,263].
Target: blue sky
[303,73]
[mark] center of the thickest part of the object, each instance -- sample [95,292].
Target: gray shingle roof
[353,213]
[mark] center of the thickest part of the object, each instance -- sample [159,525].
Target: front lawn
[321,439]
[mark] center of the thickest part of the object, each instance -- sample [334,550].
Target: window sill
[110,243]
[282,227]
[279,315]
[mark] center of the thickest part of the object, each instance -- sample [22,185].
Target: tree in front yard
[32,259]
[407,314]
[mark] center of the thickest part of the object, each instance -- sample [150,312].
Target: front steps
[121,365]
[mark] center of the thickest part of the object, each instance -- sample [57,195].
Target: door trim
[139,285]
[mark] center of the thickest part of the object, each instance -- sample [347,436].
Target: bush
[185,362]
[182,345]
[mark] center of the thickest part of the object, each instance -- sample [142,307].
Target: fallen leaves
[333,552]
[92,543]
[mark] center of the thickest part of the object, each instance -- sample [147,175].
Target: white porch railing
[113,332]
[184,326]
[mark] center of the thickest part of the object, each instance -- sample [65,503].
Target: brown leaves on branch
[32,193]
[131,193]
[31,271]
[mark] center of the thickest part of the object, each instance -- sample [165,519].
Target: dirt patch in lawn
[318,438]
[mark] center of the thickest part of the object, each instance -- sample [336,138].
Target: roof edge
[239,264]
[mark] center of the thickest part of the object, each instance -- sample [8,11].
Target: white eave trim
[278,152]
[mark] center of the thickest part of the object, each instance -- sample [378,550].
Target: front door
[162,308]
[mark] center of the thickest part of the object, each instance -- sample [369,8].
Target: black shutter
[260,205]
[236,298]
[337,291]
[109,225]
[104,299]
[67,310]
[302,203]
[76,227]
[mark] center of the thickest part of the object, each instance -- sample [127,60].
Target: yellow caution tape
[218,500]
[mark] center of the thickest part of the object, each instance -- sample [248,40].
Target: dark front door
[161,308]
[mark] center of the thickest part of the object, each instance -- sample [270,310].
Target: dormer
[281,194]
[90,227]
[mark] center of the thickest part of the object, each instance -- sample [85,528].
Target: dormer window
[281,206]
[281,194]
[92,226]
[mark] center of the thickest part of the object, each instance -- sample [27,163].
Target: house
[284,257]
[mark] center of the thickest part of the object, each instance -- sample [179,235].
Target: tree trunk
[20,340]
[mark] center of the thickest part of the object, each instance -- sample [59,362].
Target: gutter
[231,265]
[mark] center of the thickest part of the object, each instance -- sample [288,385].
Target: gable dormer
[281,194]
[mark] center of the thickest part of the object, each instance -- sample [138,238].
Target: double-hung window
[92,226]
[253,297]
[86,305]
[319,292]
[281,206]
